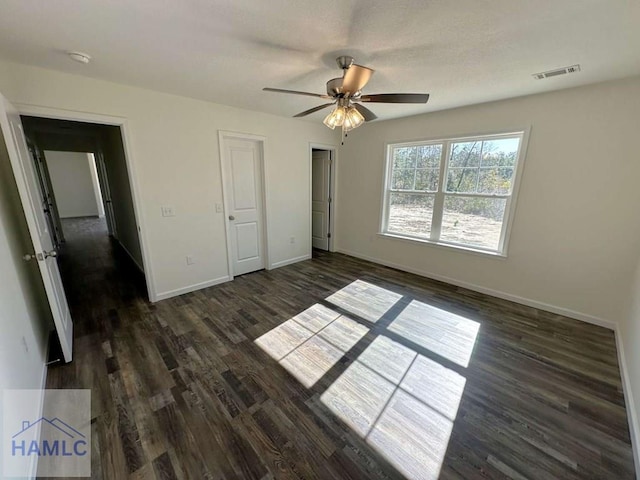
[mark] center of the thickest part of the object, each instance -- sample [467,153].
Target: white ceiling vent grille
[556,72]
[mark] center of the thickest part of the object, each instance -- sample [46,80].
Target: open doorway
[83,172]
[88,203]
[70,183]
[322,197]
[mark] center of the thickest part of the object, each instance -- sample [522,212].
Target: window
[456,192]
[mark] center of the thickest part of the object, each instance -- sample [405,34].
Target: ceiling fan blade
[365,112]
[355,78]
[296,92]
[312,110]
[396,98]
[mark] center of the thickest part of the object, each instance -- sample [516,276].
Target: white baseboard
[130,255]
[290,261]
[494,293]
[632,418]
[217,281]
[191,288]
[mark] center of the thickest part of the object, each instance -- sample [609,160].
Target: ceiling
[461,52]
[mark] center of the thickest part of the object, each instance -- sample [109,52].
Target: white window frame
[440,194]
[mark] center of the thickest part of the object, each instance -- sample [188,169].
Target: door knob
[39,256]
[231,217]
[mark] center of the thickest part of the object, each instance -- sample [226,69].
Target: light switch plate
[219,208]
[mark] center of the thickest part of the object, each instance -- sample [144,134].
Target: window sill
[447,246]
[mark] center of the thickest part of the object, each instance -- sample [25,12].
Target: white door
[49,204]
[243,177]
[103,180]
[31,199]
[320,198]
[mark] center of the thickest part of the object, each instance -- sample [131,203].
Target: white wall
[121,196]
[576,224]
[174,146]
[24,314]
[73,186]
[629,346]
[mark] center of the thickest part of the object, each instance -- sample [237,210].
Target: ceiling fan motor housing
[345,61]
[334,87]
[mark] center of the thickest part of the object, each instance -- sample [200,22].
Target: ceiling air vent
[556,72]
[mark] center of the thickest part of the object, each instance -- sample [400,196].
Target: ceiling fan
[346,94]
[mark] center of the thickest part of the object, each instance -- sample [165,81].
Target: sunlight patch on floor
[401,402]
[289,335]
[365,300]
[309,362]
[284,339]
[447,334]
[387,358]
[412,437]
[311,343]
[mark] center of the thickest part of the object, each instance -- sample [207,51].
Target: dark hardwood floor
[334,368]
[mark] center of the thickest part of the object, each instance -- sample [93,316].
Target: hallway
[334,368]
[98,276]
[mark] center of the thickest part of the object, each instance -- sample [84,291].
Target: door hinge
[329,200]
[328,235]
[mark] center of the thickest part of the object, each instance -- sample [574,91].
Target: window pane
[428,156]
[495,180]
[410,214]
[482,166]
[403,178]
[465,154]
[427,179]
[473,221]
[500,153]
[404,157]
[462,180]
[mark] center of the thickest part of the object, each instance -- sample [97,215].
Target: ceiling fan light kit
[353,119]
[346,93]
[347,117]
[335,118]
